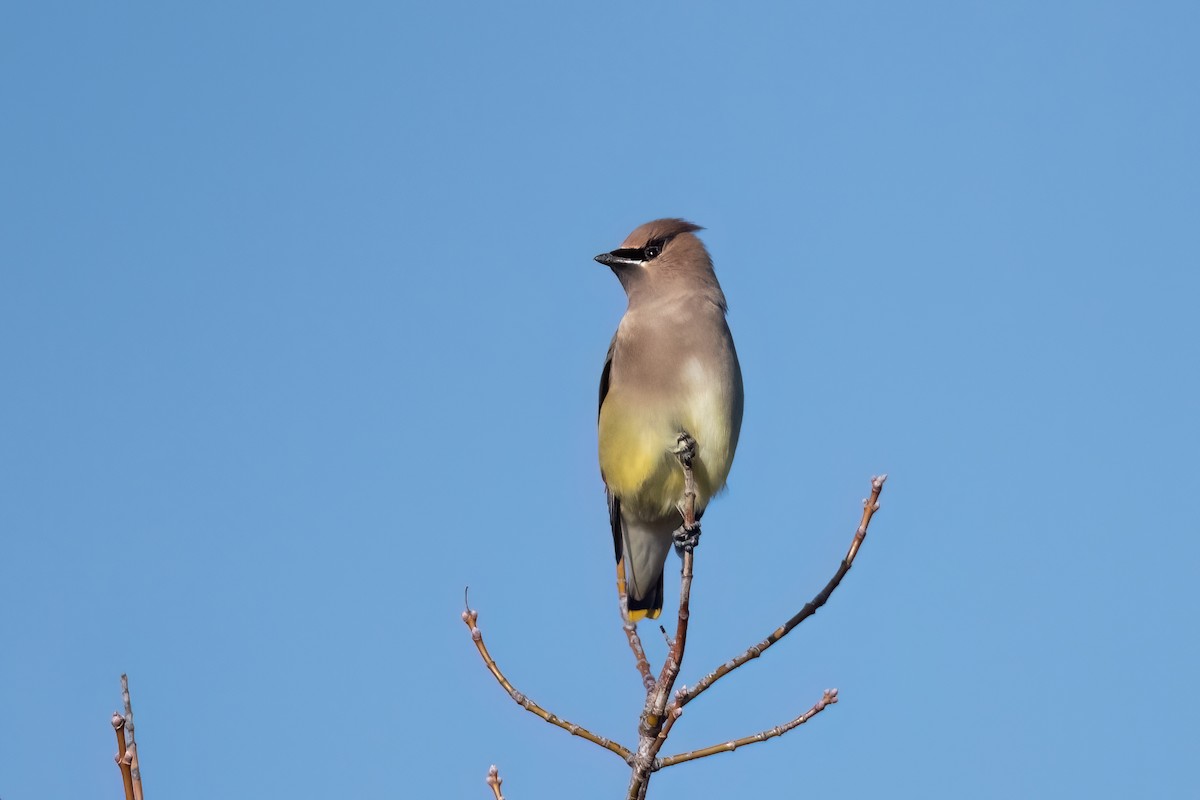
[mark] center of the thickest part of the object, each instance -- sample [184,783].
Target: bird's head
[662,260]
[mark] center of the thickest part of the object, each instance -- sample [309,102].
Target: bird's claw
[685,448]
[686,539]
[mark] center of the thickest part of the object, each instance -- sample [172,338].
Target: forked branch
[662,710]
[684,696]
[653,726]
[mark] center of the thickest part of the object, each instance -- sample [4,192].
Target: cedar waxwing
[671,370]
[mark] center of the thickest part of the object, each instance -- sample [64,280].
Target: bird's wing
[614,505]
[604,374]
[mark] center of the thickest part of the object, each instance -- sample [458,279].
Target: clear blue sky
[300,334]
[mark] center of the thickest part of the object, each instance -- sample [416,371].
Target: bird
[671,375]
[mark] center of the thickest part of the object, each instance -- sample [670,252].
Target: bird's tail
[641,550]
[649,606]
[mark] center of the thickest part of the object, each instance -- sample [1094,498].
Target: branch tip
[494,780]
[469,617]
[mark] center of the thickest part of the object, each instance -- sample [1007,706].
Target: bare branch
[690,532]
[663,709]
[470,617]
[494,780]
[829,698]
[652,731]
[870,506]
[674,661]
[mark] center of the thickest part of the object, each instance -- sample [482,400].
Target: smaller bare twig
[630,627]
[494,780]
[670,671]
[123,758]
[134,770]
[470,617]
[828,699]
[870,506]
[639,655]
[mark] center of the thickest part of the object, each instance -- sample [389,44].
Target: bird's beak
[628,257]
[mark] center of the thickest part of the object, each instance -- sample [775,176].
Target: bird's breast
[639,428]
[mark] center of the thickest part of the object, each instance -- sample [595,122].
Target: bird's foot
[686,539]
[685,448]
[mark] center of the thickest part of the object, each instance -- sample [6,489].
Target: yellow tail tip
[638,616]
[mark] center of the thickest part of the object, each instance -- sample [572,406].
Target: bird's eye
[654,248]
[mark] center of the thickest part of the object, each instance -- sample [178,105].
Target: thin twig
[123,758]
[870,506]
[630,627]
[134,769]
[639,655]
[494,780]
[470,617]
[674,661]
[828,699]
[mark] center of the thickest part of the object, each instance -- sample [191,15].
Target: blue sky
[301,334]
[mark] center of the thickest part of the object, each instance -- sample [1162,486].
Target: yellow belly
[636,440]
